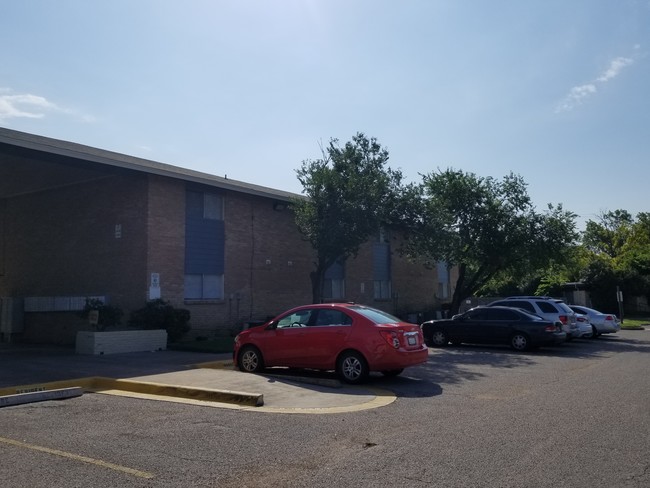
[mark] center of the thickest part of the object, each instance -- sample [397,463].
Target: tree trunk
[317,285]
[459,291]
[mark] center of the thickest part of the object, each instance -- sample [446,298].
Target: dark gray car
[494,325]
[546,307]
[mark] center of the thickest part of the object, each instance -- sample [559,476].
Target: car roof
[582,307]
[330,305]
[529,297]
[504,307]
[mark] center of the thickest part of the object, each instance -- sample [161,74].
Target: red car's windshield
[377,316]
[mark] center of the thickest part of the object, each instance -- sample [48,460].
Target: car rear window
[547,307]
[533,316]
[564,307]
[377,316]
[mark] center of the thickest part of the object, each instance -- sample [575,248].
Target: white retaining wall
[113,342]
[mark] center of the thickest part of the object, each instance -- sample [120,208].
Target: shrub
[159,314]
[109,315]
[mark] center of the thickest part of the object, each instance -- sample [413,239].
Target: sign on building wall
[154,287]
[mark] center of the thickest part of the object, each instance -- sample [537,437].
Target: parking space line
[76,457]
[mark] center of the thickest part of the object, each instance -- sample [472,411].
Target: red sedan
[351,339]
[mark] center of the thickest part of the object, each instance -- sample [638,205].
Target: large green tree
[349,193]
[619,246]
[488,228]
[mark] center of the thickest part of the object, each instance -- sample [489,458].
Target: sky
[555,91]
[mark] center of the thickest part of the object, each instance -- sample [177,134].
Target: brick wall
[107,235]
[165,234]
[83,239]
[266,266]
[413,284]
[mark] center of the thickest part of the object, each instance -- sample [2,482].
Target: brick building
[79,222]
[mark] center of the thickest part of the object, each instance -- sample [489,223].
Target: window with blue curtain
[381,270]
[204,246]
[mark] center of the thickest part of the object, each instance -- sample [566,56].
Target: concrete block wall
[120,341]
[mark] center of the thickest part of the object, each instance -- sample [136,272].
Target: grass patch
[218,345]
[635,323]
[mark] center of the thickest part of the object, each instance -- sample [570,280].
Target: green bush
[109,315]
[159,314]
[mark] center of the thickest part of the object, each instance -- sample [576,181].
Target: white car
[601,323]
[584,326]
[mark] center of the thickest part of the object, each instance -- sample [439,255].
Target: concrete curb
[330,383]
[179,391]
[40,396]
[46,391]
[221,364]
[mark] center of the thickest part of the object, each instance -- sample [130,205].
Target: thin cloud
[614,69]
[23,106]
[28,106]
[576,96]
[579,93]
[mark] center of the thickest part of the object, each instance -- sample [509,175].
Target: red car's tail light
[564,319]
[391,337]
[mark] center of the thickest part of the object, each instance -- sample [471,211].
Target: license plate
[412,340]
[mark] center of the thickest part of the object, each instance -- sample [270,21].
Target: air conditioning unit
[11,317]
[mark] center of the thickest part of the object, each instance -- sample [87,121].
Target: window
[500,314]
[204,246]
[377,316]
[297,319]
[480,314]
[334,281]
[212,206]
[546,307]
[203,287]
[381,267]
[519,304]
[382,290]
[332,317]
[443,290]
[442,271]
[204,205]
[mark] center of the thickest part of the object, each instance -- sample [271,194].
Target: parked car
[494,325]
[549,308]
[351,339]
[584,326]
[601,323]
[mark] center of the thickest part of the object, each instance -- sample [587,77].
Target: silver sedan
[601,323]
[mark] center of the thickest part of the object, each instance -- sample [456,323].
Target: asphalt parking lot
[37,373]
[574,415]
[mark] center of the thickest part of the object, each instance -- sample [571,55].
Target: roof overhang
[86,153]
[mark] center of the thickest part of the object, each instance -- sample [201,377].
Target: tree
[620,256]
[487,228]
[609,234]
[349,192]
